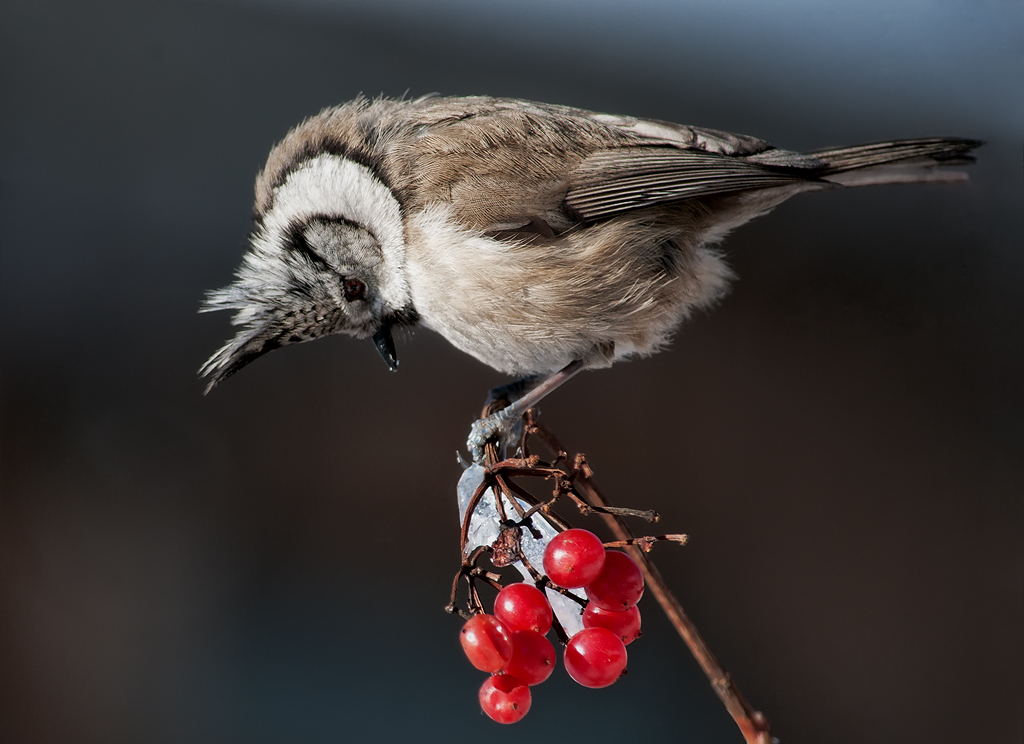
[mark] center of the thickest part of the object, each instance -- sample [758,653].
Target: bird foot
[496,427]
[523,394]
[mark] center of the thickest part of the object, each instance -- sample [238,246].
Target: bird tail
[898,161]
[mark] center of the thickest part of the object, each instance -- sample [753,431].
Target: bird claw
[501,426]
[496,427]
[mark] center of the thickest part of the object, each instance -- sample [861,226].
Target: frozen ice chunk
[485,526]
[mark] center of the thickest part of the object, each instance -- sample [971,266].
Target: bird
[540,239]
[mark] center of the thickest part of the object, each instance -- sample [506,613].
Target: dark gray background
[842,437]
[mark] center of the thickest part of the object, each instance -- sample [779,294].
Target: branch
[752,723]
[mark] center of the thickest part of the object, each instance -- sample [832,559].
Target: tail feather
[897,161]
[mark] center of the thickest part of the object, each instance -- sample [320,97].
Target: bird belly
[599,293]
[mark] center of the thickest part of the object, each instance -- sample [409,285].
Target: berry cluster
[511,643]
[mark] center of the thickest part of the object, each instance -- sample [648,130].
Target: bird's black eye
[354,290]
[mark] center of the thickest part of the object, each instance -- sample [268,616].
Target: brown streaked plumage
[528,235]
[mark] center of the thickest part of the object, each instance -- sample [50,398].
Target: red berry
[533,657]
[595,657]
[505,699]
[574,558]
[620,584]
[523,607]
[487,643]
[624,624]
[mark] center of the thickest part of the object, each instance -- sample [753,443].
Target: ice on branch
[484,527]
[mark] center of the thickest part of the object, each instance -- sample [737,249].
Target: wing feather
[613,181]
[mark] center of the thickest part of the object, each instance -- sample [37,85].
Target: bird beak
[386,346]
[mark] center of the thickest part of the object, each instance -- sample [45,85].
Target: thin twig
[646,543]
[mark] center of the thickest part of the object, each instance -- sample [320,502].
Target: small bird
[540,239]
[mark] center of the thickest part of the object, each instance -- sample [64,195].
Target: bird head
[325,258]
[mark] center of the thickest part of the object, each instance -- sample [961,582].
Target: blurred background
[841,438]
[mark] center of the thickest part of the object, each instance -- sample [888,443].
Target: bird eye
[354,290]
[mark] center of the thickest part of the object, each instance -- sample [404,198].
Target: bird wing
[619,180]
[510,167]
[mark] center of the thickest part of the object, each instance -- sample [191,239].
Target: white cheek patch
[334,186]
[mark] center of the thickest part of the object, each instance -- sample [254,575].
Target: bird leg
[499,424]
